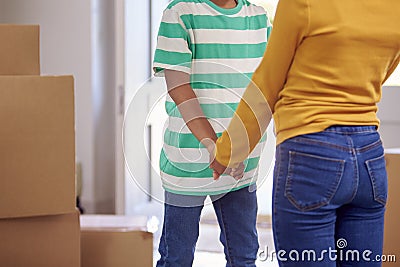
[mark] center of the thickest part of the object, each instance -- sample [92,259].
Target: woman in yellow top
[322,77]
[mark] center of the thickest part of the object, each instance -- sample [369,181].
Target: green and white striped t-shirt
[220,49]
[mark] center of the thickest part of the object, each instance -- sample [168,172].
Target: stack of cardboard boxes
[39,225]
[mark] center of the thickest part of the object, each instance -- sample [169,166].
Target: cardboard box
[115,241]
[37,146]
[392,215]
[45,241]
[19,50]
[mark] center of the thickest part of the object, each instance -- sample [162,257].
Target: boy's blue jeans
[330,190]
[236,212]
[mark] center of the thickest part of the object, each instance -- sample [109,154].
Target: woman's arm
[257,105]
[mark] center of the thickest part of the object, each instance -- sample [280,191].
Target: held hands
[219,169]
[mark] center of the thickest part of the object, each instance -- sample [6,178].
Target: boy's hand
[218,169]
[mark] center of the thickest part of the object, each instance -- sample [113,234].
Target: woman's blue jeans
[236,213]
[329,196]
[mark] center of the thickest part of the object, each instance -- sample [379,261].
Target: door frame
[119,10]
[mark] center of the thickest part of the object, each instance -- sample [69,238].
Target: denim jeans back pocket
[378,175]
[312,180]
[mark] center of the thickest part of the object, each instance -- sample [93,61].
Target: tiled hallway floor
[212,259]
[206,259]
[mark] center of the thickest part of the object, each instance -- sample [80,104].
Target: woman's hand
[219,169]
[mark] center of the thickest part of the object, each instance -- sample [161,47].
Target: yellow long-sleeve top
[324,65]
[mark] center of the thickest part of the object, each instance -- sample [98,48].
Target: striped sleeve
[173,48]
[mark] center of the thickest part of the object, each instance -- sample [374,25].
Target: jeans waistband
[351,129]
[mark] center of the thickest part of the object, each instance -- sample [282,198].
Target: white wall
[104,93]
[66,48]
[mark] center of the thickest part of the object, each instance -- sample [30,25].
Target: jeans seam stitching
[279,174]
[350,132]
[276,184]
[373,181]
[369,147]
[330,192]
[305,140]
[225,234]
[356,170]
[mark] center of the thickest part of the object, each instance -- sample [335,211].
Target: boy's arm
[178,84]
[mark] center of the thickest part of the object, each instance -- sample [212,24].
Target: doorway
[139,188]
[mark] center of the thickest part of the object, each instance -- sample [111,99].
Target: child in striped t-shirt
[208,51]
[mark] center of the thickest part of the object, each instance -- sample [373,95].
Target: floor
[209,251]
[208,259]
